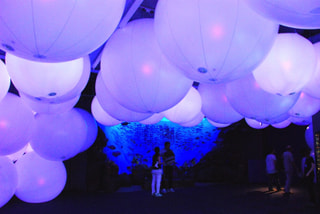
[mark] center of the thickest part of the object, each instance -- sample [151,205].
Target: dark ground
[209,198]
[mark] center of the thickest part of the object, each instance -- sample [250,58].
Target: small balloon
[101,115]
[255,124]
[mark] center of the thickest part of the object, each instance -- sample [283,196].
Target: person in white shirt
[271,168]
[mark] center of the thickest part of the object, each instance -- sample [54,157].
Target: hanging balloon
[155,118]
[4,80]
[215,104]
[92,128]
[17,155]
[255,124]
[132,58]
[292,13]
[48,106]
[16,124]
[8,180]
[42,79]
[195,121]
[289,65]
[59,137]
[301,121]
[218,125]
[34,30]
[282,124]
[306,106]
[101,115]
[112,107]
[187,109]
[313,87]
[276,119]
[204,42]
[247,98]
[39,180]
[309,137]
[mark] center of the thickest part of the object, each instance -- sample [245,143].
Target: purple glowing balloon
[218,125]
[113,108]
[57,30]
[155,118]
[101,115]
[282,124]
[213,41]
[136,72]
[301,121]
[215,105]
[195,121]
[306,106]
[309,137]
[255,124]
[292,13]
[8,180]
[59,137]
[246,97]
[39,180]
[16,124]
[288,66]
[4,80]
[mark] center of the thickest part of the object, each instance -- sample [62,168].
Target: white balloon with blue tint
[256,124]
[306,106]
[4,80]
[8,180]
[101,115]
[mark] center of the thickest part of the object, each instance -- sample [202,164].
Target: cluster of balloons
[232,48]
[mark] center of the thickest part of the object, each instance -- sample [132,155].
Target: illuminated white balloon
[187,109]
[213,41]
[16,124]
[218,125]
[4,80]
[47,105]
[276,119]
[92,128]
[101,115]
[246,97]
[136,72]
[309,137]
[17,155]
[313,87]
[289,65]
[155,118]
[57,30]
[215,104]
[292,13]
[306,106]
[282,124]
[8,180]
[112,107]
[195,121]
[301,121]
[42,79]
[255,124]
[39,180]
[59,137]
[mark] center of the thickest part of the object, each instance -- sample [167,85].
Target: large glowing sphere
[57,30]
[137,73]
[112,107]
[276,119]
[155,118]
[309,136]
[250,100]
[43,79]
[256,124]
[301,121]
[47,105]
[292,13]
[187,109]
[213,41]
[282,124]
[218,125]
[101,115]
[4,80]
[92,128]
[39,180]
[306,106]
[16,124]
[215,105]
[313,87]
[59,137]
[8,180]
[195,121]
[289,65]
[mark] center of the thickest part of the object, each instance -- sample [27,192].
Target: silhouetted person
[289,167]
[156,173]
[271,168]
[308,175]
[168,164]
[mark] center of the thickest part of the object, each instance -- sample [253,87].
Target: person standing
[168,157]
[289,167]
[156,173]
[309,174]
[271,168]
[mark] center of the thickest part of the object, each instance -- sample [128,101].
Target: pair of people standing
[168,161]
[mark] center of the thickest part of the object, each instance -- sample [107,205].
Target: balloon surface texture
[8,180]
